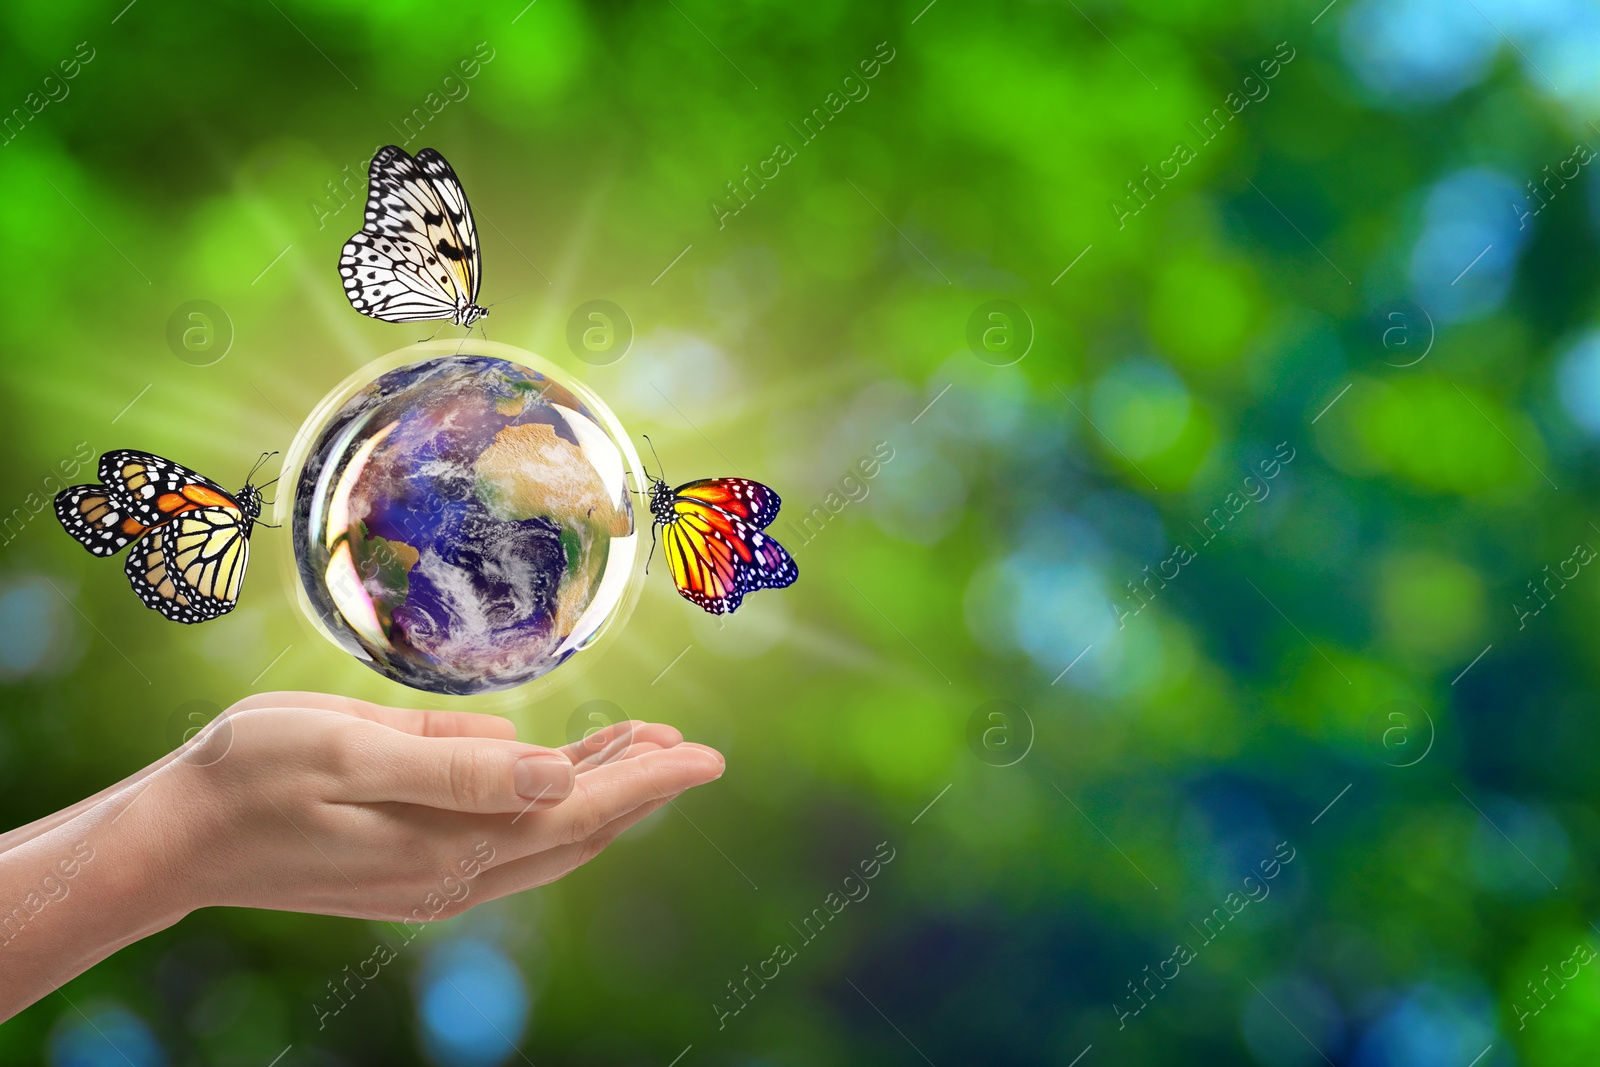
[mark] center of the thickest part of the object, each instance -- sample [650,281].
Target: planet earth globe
[462,519]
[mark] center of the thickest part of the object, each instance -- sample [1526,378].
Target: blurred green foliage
[1444,856]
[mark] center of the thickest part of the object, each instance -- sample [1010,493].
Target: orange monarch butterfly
[191,537]
[711,534]
[416,256]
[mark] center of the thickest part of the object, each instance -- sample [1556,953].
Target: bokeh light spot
[104,1036]
[472,1004]
[1430,605]
[1142,406]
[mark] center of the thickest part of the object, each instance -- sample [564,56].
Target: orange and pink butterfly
[712,533]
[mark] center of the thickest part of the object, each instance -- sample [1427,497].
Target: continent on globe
[386,567]
[529,472]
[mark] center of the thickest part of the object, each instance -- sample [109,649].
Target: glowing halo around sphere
[461,517]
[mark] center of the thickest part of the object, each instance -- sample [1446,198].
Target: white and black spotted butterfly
[191,537]
[416,257]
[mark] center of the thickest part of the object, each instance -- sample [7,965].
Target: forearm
[79,891]
[28,831]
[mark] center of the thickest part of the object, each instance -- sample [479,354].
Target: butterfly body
[662,509]
[416,256]
[190,537]
[712,535]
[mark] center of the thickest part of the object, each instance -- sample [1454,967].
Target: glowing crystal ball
[462,520]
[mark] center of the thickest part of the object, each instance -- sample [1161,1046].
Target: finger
[603,745]
[465,774]
[612,743]
[617,753]
[547,866]
[422,722]
[445,723]
[609,792]
[660,733]
[300,698]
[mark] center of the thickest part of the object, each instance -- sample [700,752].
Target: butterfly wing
[211,550]
[716,556]
[95,520]
[151,489]
[771,568]
[190,570]
[150,571]
[701,561]
[463,253]
[416,256]
[742,498]
[390,278]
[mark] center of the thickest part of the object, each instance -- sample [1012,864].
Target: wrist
[150,836]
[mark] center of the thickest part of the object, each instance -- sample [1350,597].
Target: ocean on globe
[462,517]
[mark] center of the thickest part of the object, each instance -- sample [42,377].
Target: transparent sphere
[461,518]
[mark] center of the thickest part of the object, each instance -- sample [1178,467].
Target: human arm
[330,811]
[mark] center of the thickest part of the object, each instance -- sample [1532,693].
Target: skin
[315,803]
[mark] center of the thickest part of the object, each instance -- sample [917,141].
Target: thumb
[482,775]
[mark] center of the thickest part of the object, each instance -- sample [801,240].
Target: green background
[1303,257]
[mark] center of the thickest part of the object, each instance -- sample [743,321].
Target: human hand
[306,802]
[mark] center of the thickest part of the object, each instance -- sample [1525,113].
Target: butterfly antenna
[259,464]
[659,465]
